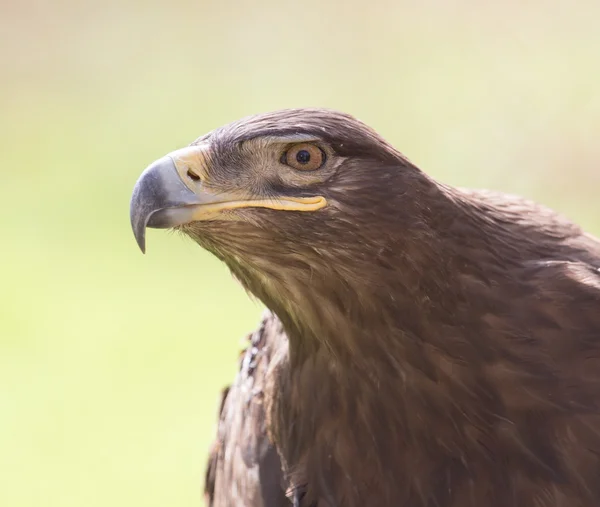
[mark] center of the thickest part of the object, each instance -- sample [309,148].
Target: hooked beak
[160,199]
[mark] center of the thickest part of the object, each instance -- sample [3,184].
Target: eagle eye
[304,157]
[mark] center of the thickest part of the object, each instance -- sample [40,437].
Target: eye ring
[304,157]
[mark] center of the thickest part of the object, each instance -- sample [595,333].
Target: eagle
[423,345]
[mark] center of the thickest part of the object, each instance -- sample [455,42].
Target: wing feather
[244,468]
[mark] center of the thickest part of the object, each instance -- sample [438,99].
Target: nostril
[192,175]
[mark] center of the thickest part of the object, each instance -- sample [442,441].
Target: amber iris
[305,157]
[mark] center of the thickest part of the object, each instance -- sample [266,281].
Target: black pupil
[303,157]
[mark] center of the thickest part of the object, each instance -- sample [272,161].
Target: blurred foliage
[110,361]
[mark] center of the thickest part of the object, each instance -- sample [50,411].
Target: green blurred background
[111,361]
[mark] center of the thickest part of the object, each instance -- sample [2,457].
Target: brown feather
[441,345]
[243,467]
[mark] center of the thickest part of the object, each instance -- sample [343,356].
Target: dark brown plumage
[244,467]
[428,346]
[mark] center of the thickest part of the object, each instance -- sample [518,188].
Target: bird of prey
[424,345]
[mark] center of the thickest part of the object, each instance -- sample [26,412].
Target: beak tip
[140,236]
[138,225]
